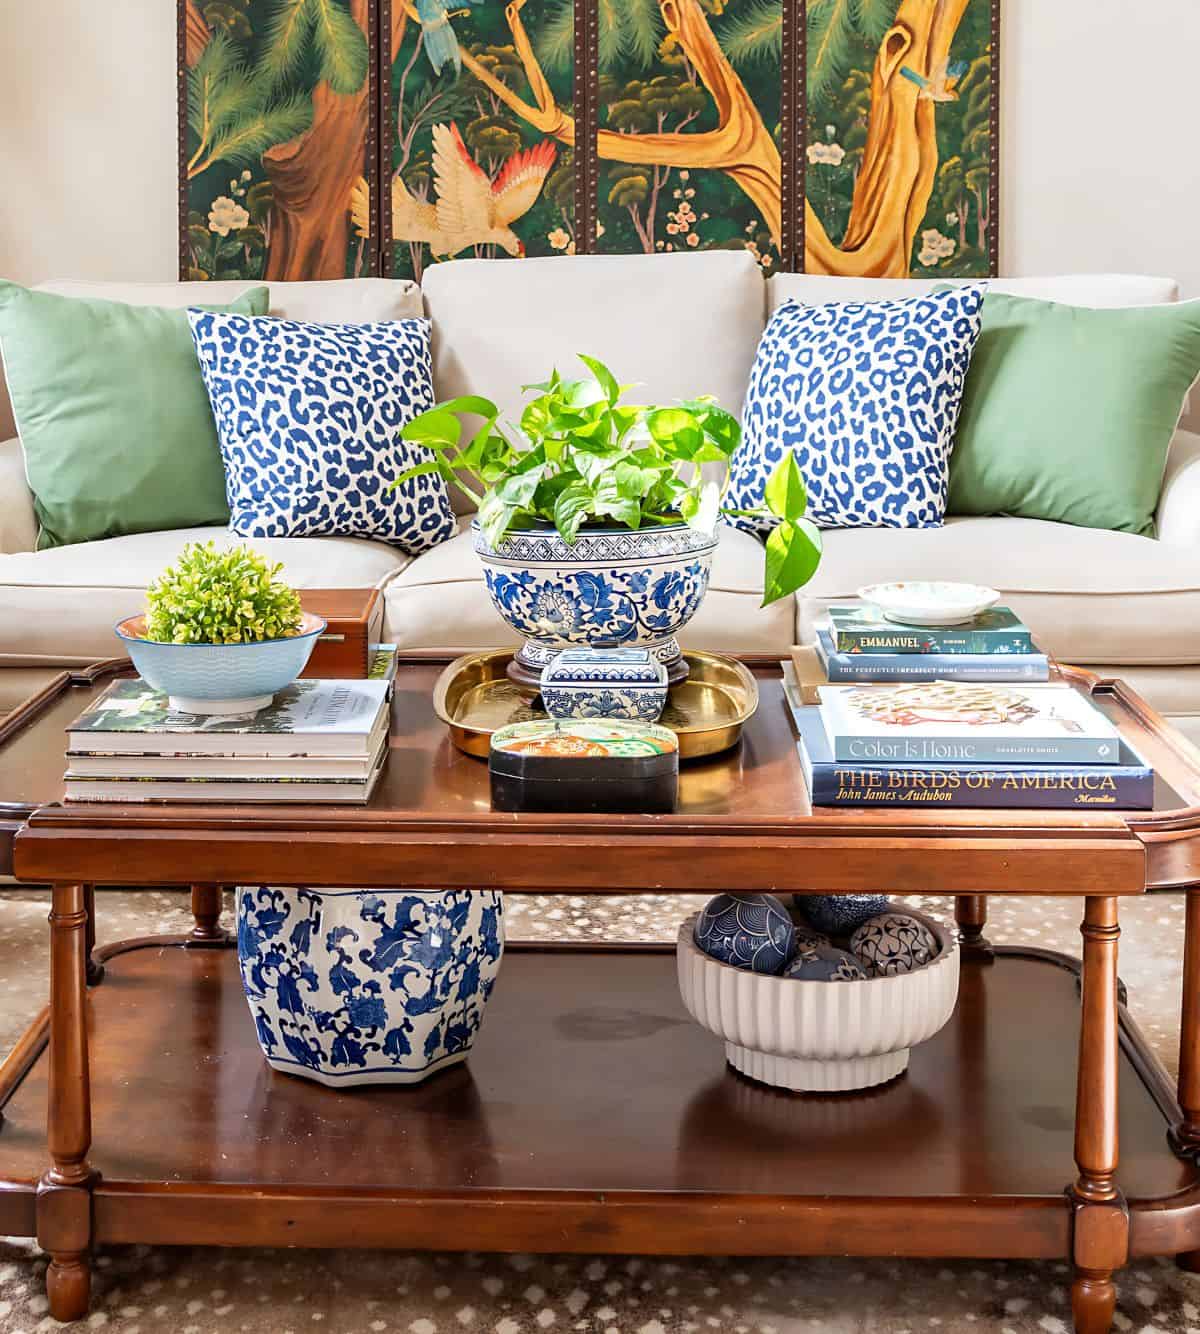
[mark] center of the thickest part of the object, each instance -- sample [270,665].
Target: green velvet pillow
[113,416]
[1068,413]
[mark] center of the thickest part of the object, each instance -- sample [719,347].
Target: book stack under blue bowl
[990,742]
[318,741]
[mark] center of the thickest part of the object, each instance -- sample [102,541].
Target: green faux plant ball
[220,597]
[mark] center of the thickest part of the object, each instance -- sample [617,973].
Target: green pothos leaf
[793,554]
[570,509]
[495,517]
[785,492]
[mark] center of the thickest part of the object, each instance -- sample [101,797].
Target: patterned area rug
[156,1290]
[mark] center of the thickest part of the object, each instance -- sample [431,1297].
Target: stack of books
[953,743]
[855,644]
[320,741]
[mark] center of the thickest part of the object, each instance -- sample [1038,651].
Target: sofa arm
[18,524]
[1179,504]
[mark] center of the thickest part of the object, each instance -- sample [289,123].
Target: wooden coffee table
[594,1116]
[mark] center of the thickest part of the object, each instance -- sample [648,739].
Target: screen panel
[277,142]
[689,127]
[478,132]
[901,141]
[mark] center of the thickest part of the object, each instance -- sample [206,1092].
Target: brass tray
[474,697]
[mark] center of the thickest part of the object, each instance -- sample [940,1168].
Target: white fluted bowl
[818,1037]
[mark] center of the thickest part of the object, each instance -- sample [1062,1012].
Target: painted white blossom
[225,216]
[559,238]
[951,219]
[935,247]
[828,155]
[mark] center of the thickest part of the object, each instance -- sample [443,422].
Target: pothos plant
[580,455]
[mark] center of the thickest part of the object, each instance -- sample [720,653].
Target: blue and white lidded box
[605,683]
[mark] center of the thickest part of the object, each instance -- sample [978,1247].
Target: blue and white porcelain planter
[381,986]
[613,588]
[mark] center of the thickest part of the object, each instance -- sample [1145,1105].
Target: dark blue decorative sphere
[750,931]
[893,943]
[824,963]
[840,914]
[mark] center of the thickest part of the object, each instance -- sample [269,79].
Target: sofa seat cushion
[1090,596]
[440,601]
[63,603]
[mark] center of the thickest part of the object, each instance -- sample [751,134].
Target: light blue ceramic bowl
[220,678]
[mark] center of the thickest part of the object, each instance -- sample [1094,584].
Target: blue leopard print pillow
[866,395]
[308,418]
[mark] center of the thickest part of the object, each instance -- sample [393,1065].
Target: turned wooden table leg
[1185,1137]
[207,902]
[95,969]
[1101,1222]
[970,912]
[64,1201]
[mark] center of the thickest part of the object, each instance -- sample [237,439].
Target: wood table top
[743,818]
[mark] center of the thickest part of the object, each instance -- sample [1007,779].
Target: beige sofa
[681,325]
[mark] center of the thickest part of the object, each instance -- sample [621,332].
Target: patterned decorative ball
[824,963]
[840,914]
[807,938]
[893,943]
[750,931]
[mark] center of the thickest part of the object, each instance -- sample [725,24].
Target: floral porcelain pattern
[368,987]
[630,589]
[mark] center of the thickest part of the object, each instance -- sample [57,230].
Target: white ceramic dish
[818,1037]
[929,601]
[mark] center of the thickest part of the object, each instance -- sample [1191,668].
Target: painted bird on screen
[941,86]
[441,45]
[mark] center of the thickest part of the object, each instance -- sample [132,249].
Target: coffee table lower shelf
[593,1116]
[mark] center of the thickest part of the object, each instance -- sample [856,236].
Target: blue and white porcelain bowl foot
[380,986]
[532,659]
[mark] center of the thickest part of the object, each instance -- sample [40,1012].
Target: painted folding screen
[838,136]
[277,138]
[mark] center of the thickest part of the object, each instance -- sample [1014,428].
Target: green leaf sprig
[580,455]
[220,597]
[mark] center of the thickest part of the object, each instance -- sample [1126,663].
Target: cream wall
[1101,169]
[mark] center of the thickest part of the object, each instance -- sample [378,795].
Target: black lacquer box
[584,764]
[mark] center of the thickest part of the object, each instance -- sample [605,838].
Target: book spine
[985,750]
[843,668]
[934,640]
[1106,788]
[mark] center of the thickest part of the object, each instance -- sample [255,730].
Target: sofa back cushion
[1098,290]
[676,325]
[334,301]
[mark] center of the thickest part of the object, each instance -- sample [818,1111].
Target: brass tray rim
[732,725]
